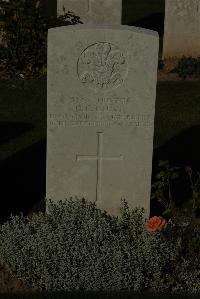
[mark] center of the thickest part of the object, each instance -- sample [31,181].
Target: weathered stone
[101,102]
[93,11]
[182,28]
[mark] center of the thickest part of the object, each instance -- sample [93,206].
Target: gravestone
[93,11]
[101,102]
[182,28]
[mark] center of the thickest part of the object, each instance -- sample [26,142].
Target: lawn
[177,108]
[22,114]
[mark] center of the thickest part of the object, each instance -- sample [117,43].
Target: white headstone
[182,28]
[93,11]
[101,104]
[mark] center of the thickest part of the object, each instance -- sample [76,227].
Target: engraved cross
[99,158]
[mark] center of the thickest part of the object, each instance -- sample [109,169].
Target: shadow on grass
[22,178]
[9,130]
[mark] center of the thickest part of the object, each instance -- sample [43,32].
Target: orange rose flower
[155,223]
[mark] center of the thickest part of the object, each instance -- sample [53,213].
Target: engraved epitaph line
[99,158]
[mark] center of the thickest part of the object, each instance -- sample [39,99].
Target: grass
[22,114]
[177,108]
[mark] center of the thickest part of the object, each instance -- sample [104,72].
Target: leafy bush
[161,191]
[79,247]
[187,66]
[24,27]
[185,271]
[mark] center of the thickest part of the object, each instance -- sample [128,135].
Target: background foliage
[24,27]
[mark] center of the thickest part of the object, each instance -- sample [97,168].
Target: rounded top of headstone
[105,27]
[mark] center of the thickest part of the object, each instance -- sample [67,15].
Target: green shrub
[185,271]
[161,191]
[187,66]
[24,27]
[79,247]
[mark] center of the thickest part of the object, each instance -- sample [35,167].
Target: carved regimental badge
[102,66]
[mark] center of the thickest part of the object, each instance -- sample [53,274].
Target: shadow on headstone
[182,150]
[153,22]
[9,130]
[22,178]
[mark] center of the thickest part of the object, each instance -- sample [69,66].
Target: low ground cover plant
[79,247]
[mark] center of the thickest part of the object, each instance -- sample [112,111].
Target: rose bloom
[155,223]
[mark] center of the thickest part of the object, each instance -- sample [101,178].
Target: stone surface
[101,102]
[93,11]
[182,28]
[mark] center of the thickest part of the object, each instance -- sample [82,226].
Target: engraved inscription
[102,66]
[66,120]
[99,158]
[100,112]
